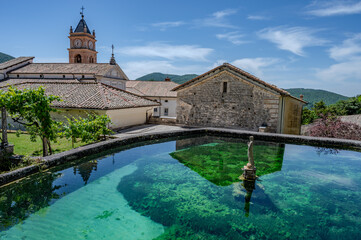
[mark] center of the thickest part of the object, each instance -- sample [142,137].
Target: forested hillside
[156,76]
[315,95]
[4,57]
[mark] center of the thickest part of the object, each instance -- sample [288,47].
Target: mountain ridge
[5,57]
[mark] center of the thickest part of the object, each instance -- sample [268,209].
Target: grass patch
[23,145]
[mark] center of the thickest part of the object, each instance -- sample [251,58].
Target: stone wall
[244,105]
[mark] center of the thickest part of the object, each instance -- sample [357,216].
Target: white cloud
[255,65]
[336,8]
[349,49]
[165,25]
[217,19]
[293,39]
[339,72]
[190,52]
[224,13]
[140,68]
[257,17]
[233,37]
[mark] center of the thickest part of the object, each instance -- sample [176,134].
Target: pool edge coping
[87,150]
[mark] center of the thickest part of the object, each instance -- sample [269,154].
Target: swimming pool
[189,189]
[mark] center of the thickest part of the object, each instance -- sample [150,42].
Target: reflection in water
[327,151]
[85,169]
[249,185]
[220,162]
[21,200]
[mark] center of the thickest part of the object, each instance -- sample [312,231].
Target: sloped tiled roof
[14,81]
[13,62]
[152,88]
[238,70]
[66,68]
[88,95]
[81,25]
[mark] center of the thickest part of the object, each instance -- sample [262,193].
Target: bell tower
[82,43]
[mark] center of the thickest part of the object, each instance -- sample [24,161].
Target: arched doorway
[91,60]
[78,58]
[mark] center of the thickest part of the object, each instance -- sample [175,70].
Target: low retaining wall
[95,148]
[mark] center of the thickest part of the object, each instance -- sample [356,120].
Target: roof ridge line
[102,94]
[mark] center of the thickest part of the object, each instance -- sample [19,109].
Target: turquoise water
[189,189]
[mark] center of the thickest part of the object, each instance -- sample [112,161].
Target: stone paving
[148,128]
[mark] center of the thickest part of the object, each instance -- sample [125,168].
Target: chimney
[301,97]
[71,29]
[167,79]
[93,33]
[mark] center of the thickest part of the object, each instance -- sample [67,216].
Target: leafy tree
[31,107]
[320,108]
[92,128]
[308,116]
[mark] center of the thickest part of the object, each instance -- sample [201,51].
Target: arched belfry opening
[77,59]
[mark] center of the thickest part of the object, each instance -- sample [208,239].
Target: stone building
[227,96]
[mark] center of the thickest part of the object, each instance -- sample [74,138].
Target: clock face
[77,43]
[91,45]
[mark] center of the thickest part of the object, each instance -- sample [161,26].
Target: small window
[82,76]
[63,76]
[225,85]
[17,76]
[41,76]
[165,100]
[165,111]
[155,109]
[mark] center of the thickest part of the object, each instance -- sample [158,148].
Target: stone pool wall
[97,148]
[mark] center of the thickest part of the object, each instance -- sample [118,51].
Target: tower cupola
[82,43]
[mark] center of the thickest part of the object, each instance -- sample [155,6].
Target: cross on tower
[82,11]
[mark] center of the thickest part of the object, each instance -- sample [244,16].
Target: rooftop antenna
[82,12]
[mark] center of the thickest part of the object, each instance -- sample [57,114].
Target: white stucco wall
[128,117]
[170,103]
[120,117]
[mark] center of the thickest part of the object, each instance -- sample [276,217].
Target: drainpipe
[282,114]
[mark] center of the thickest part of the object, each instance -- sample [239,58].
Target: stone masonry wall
[244,105]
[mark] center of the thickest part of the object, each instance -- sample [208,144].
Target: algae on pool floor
[221,163]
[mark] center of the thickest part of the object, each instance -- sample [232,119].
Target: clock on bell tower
[82,43]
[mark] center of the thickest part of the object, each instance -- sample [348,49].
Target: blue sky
[309,44]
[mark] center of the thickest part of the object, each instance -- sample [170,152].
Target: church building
[84,85]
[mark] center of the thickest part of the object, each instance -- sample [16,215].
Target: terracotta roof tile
[152,88]
[87,95]
[13,62]
[65,68]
